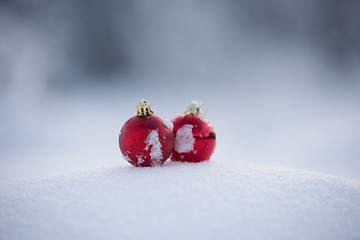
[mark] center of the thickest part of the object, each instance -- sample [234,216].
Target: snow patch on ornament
[126,158]
[156,154]
[168,124]
[140,159]
[184,139]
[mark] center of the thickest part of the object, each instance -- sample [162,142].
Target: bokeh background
[281,79]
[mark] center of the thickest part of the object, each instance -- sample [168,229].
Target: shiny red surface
[133,135]
[204,134]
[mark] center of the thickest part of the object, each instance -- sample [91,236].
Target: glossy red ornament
[146,139]
[195,137]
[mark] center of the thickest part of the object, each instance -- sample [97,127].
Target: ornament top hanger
[143,109]
[196,108]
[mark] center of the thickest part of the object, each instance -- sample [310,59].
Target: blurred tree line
[106,37]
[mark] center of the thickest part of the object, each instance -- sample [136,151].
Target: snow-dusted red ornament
[194,136]
[146,139]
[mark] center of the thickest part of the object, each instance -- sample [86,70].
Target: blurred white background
[280,79]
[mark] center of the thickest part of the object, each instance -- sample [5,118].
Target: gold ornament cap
[143,109]
[196,108]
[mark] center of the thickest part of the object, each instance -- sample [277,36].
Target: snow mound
[212,200]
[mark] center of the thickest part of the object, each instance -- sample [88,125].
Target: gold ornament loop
[196,108]
[143,109]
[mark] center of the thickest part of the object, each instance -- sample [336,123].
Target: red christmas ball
[194,137]
[146,140]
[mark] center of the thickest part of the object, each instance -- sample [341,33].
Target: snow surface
[184,139]
[212,200]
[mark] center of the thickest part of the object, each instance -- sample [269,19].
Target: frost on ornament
[184,139]
[140,159]
[156,153]
[168,124]
[126,158]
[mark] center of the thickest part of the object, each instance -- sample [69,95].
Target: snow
[140,159]
[168,124]
[156,154]
[184,139]
[126,157]
[270,103]
[203,120]
[211,200]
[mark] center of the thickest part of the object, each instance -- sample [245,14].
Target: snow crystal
[184,139]
[156,153]
[168,124]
